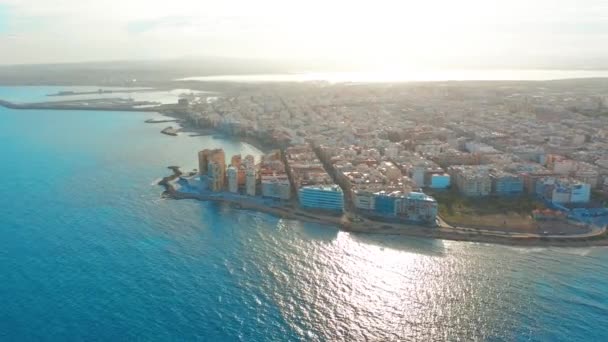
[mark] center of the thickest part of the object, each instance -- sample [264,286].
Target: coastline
[193,130]
[365,227]
[377,227]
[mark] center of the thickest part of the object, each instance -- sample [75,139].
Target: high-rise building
[232,176]
[203,160]
[236,161]
[251,182]
[215,178]
[216,169]
[206,156]
[242,176]
[249,161]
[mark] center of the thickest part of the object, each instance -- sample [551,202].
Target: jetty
[101,91]
[154,121]
[170,131]
[93,105]
[71,93]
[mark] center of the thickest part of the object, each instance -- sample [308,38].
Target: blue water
[89,251]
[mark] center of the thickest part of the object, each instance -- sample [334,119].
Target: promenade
[349,222]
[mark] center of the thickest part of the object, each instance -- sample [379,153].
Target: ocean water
[89,251]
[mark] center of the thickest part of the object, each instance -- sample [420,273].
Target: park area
[489,213]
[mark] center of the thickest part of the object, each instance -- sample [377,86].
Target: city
[321,170]
[428,145]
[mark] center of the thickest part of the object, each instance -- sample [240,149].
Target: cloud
[71,30]
[142,26]
[226,25]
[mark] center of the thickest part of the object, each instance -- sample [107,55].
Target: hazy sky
[373,32]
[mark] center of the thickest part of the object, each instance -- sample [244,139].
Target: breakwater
[131,107]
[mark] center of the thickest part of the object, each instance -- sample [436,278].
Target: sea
[89,251]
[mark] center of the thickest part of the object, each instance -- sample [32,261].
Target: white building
[251,182]
[364,200]
[233,182]
[417,175]
[472,181]
[477,147]
[276,186]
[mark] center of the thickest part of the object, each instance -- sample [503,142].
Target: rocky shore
[598,237]
[170,131]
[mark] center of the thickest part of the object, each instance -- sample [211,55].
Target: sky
[366,32]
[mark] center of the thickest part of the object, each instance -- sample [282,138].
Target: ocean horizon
[90,251]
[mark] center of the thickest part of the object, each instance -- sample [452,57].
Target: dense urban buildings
[386,146]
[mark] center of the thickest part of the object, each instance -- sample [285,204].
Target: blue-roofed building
[323,197]
[563,190]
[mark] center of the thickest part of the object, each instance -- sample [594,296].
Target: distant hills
[122,73]
[163,72]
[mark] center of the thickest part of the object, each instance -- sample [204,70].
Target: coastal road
[595,231]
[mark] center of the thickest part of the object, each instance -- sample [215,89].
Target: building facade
[416,206]
[213,164]
[232,176]
[251,182]
[440,181]
[323,197]
[563,190]
[276,186]
[506,184]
